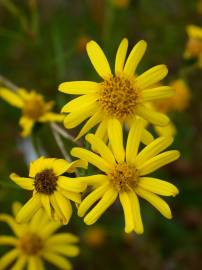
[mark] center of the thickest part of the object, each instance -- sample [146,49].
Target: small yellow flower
[121,96]
[125,175]
[36,242]
[94,237]
[194,44]
[179,101]
[51,190]
[121,3]
[34,108]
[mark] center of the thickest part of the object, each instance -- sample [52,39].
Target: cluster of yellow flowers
[121,104]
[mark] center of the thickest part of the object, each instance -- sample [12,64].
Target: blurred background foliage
[42,43]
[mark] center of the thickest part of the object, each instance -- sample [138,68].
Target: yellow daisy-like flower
[36,242]
[125,175]
[34,108]
[194,44]
[52,191]
[121,96]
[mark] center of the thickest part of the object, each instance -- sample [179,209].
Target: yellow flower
[95,237]
[121,3]
[121,96]
[125,175]
[34,108]
[51,190]
[194,44]
[36,242]
[179,101]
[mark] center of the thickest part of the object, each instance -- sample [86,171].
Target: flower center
[31,244]
[124,177]
[34,108]
[118,97]
[45,182]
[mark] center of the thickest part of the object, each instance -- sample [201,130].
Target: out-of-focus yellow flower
[194,44]
[121,96]
[121,3]
[81,43]
[34,108]
[35,242]
[51,190]
[125,175]
[94,237]
[179,101]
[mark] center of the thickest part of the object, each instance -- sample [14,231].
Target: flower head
[36,242]
[34,108]
[194,44]
[125,175]
[121,95]
[52,191]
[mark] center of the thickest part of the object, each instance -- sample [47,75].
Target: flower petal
[158,186]
[8,258]
[115,134]
[138,226]
[90,157]
[63,249]
[153,149]
[106,201]
[8,240]
[93,180]
[77,164]
[156,201]
[11,97]
[157,93]
[71,184]
[151,76]
[133,140]
[23,182]
[79,87]
[101,148]
[45,201]
[121,56]
[20,263]
[152,116]
[146,137]
[64,205]
[91,199]
[98,59]
[135,57]
[29,209]
[62,238]
[27,126]
[73,196]
[158,161]
[51,117]
[60,166]
[58,260]
[128,215]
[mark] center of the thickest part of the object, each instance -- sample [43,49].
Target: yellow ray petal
[70,250]
[58,260]
[8,240]
[121,56]
[60,166]
[16,228]
[115,134]
[158,161]
[156,201]
[151,76]
[27,126]
[16,206]
[20,263]
[91,199]
[76,103]
[64,205]
[169,130]
[23,182]
[71,184]
[45,202]
[128,215]
[101,148]
[29,209]
[51,117]
[153,149]
[101,131]
[92,121]
[75,118]
[8,258]
[135,57]
[32,263]
[138,226]
[77,164]
[35,167]
[106,201]
[133,140]
[11,97]
[92,158]
[49,229]
[152,116]
[157,93]
[57,213]
[79,87]
[62,238]
[73,196]
[146,137]
[93,180]
[158,186]
[98,59]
